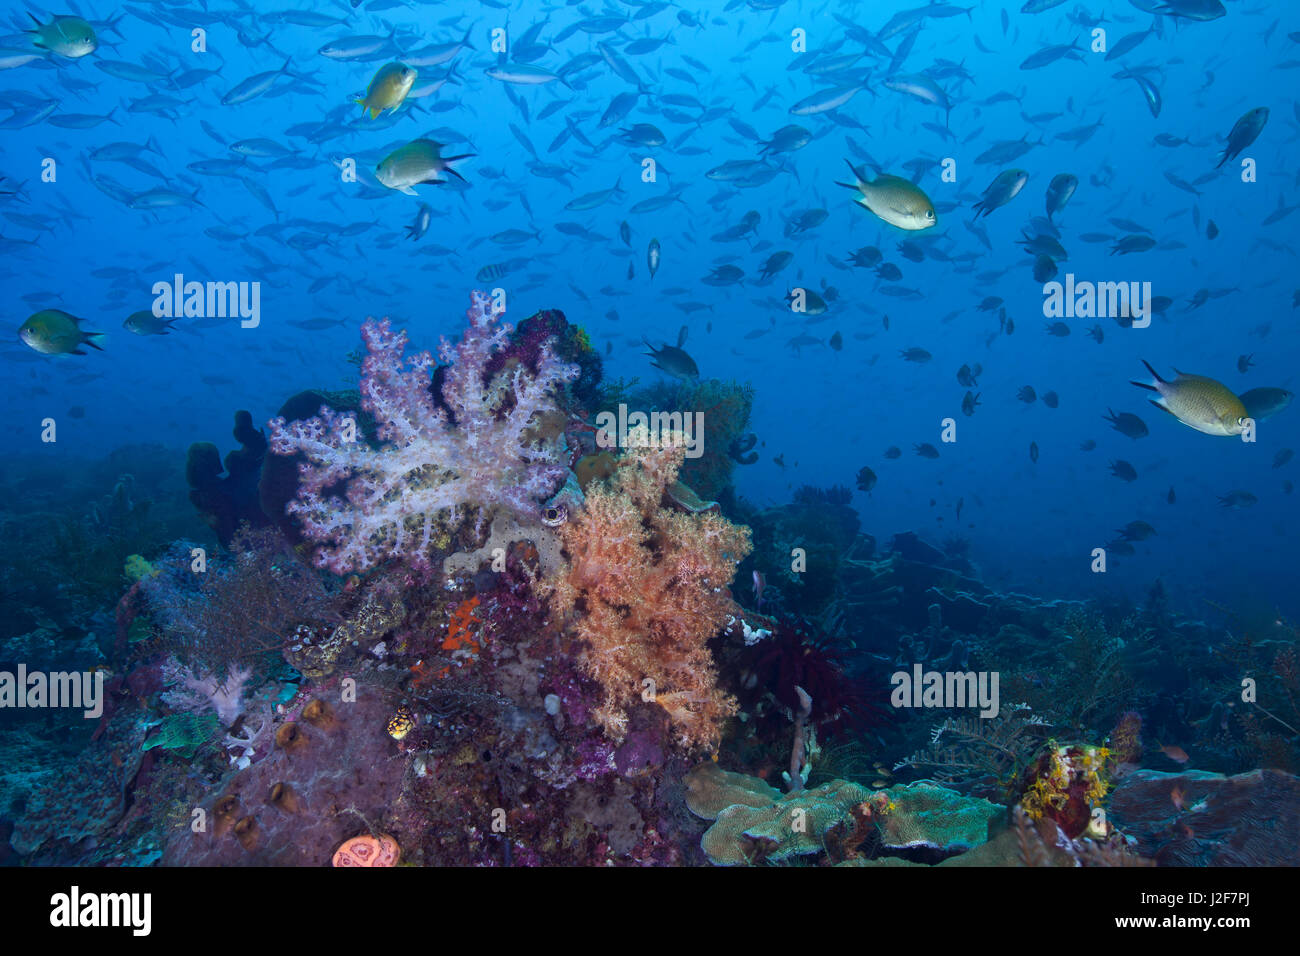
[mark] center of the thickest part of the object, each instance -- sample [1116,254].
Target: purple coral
[437,462]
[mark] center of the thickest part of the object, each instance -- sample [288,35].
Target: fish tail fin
[465,40]
[857,176]
[34,20]
[88,338]
[1153,372]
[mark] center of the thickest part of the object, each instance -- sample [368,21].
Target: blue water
[825,413]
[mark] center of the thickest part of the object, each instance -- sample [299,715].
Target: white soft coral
[432,467]
[188,692]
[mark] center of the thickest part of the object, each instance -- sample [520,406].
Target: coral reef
[725,407]
[925,816]
[710,790]
[228,500]
[792,826]
[301,800]
[1195,818]
[799,548]
[984,756]
[752,823]
[241,608]
[798,655]
[1066,784]
[447,627]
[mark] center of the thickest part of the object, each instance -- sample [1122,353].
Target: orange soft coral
[644,590]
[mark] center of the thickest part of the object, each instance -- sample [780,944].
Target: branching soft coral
[644,591]
[190,692]
[479,449]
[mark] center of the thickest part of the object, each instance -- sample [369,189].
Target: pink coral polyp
[431,468]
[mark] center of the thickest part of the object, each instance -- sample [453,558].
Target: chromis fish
[898,202]
[146,323]
[1198,402]
[1059,191]
[419,161]
[1004,188]
[673,359]
[1126,423]
[1244,132]
[1262,403]
[652,255]
[1237,499]
[55,332]
[388,89]
[70,37]
[866,479]
[423,216]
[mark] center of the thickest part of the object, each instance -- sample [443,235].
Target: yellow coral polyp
[137,568]
[401,723]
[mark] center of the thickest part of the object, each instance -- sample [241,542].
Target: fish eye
[1241,420]
[929,214]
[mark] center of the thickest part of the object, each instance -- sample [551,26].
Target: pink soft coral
[432,468]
